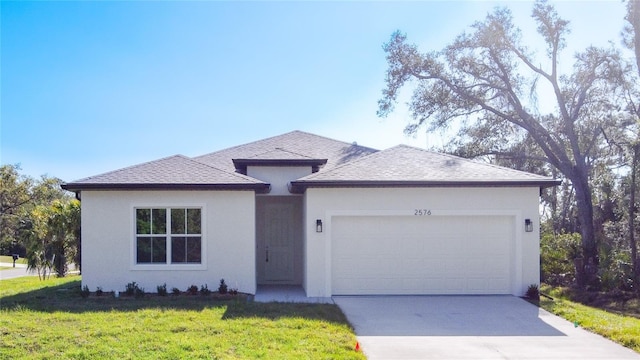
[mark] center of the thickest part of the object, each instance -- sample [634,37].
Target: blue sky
[89,87]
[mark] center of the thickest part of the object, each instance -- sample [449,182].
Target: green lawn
[8,259]
[624,330]
[49,319]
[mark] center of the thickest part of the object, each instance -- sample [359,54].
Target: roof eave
[301,186]
[258,187]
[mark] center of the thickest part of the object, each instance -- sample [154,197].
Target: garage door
[421,255]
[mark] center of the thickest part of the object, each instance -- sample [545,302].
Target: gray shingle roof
[296,142]
[279,154]
[171,172]
[346,165]
[413,166]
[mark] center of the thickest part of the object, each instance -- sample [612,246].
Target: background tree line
[484,90]
[39,221]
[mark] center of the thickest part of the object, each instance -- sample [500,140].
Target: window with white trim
[168,235]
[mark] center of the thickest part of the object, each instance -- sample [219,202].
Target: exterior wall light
[528,225]
[318,225]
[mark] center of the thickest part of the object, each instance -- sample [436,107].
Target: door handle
[267,253]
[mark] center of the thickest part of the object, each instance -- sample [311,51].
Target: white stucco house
[299,209]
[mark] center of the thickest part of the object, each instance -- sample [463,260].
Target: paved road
[19,271]
[469,327]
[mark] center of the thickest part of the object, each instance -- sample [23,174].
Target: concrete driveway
[469,327]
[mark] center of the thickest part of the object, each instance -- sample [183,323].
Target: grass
[9,260]
[49,319]
[619,323]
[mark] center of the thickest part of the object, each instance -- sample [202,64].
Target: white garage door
[421,255]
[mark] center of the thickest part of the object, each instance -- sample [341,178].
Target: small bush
[84,292]
[162,289]
[222,289]
[204,290]
[533,292]
[192,290]
[130,289]
[233,291]
[175,291]
[99,291]
[139,292]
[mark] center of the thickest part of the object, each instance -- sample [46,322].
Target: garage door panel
[421,255]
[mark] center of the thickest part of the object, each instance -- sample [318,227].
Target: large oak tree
[485,84]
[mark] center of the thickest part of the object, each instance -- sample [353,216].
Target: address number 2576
[422,212]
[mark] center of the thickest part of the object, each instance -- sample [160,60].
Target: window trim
[168,265]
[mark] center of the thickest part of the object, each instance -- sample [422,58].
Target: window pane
[143,247]
[178,249]
[186,249]
[193,221]
[177,221]
[143,221]
[159,221]
[158,249]
[194,253]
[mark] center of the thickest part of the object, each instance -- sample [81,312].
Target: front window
[168,236]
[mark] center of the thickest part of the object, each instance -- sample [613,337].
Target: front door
[278,239]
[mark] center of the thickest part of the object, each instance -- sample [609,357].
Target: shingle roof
[296,142]
[171,172]
[339,164]
[406,165]
[279,154]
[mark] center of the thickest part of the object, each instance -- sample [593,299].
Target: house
[332,217]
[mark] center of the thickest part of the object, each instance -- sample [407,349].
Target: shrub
[99,291]
[192,290]
[204,290]
[139,292]
[233,291]
[84,292]
[533,292]
[222,289]
[557,255]
[175,291]
[162,289]
[130,289]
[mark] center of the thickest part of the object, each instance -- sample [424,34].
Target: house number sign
[422,212]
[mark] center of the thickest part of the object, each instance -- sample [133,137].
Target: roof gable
[406,165]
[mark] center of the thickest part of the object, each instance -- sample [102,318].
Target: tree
[631,143]
[485,84]
[19,194]
[52,236]
[38,220]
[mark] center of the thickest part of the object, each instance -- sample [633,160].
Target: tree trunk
[587,274]
[632,215]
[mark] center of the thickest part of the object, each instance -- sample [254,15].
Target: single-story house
[299,209]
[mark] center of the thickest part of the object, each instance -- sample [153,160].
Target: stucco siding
[228,240]
[278,176]
[329,203]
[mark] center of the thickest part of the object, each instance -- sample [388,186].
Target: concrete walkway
[287,294]
[469,327]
